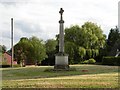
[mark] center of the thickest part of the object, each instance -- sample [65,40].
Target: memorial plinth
[61,59]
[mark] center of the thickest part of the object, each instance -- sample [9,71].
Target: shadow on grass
[40,72]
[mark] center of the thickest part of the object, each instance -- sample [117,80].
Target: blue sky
[40,17]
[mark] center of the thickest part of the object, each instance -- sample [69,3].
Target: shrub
[85,62]
[91,61]
[110,60]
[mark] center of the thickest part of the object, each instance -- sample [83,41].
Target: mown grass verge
[85,76]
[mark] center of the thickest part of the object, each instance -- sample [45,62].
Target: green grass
[98,76]
[0,53]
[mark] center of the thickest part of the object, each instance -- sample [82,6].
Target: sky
[40,17]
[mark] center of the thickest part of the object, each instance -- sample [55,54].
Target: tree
[93,37]
[22,50]
[50,45]
[113,41]
[39,51]
[70,49]
[29,51]
[113,36]
[88,39]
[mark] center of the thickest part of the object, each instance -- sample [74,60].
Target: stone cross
[61,12]
[61,32]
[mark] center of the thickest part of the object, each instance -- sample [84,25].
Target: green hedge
[111,60]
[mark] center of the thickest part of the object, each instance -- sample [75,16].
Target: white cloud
[40,17]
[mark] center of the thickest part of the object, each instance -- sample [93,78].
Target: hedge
[111,60]
[4,66]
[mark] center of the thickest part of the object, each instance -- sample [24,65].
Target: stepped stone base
[60,67]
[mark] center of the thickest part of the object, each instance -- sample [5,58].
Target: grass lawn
[96,76]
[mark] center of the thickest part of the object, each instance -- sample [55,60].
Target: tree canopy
[87,40]
[50,46]
[30,50]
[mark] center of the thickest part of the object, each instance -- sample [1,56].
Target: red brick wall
[7,57]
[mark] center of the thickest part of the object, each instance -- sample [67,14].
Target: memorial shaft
[61,32]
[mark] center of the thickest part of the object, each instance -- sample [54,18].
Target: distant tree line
[81,43]
[113,41]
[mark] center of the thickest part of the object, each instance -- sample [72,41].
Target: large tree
[22,50]
[88,39]
[39,51]
[29,51]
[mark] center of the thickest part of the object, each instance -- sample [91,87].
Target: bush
[91,61]
[85,62]
[110,60]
